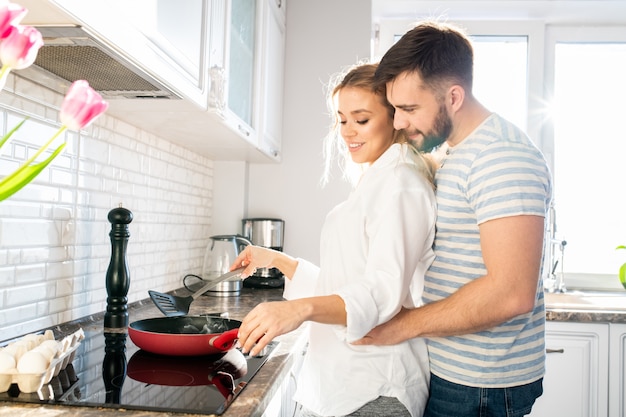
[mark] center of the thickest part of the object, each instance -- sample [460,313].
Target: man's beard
[438,134]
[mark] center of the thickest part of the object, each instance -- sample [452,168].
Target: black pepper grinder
[118,278]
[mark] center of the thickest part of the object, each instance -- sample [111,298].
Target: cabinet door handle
[555,350]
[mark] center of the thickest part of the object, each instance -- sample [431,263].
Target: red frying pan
[185,335]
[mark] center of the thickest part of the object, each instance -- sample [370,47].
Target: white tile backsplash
[54,234]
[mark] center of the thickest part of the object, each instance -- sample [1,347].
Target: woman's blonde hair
[361,76]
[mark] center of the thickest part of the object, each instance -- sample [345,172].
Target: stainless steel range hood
[70,53]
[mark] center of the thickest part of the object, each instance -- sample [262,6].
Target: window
[564,86]
[589,153]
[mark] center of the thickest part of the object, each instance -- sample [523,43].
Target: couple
[474,346]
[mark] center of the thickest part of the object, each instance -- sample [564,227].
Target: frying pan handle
[225,341]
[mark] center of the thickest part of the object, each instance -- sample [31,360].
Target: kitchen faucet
[553,282]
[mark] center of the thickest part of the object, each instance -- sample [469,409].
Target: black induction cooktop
[110,371]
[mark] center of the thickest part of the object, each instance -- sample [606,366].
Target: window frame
[576,34]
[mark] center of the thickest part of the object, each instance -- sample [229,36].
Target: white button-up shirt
[375,249]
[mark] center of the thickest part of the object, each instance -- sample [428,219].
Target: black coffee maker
[268,233]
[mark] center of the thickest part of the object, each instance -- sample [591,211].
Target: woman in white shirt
[375,248]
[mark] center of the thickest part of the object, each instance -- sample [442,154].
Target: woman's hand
[253,257]
[267,321]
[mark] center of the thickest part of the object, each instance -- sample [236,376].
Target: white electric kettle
[219,255]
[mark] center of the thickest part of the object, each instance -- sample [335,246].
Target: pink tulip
[81,106]
[11,14]
[19,49]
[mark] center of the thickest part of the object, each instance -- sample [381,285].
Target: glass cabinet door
[242,59]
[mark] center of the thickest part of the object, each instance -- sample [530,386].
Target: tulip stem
[32,158]
[44,147]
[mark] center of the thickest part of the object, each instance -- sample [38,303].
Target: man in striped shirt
[484,311]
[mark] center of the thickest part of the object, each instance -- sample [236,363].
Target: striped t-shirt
[495,172]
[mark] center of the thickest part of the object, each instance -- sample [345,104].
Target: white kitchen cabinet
[233,65]
[241,81]
[213,68]
[577,368]
[272,67]
[617,370]
[246,67]
[282,404]
[288,388]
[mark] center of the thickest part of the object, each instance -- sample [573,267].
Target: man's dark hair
[439,53]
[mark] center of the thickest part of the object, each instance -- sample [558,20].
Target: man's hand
[389,333]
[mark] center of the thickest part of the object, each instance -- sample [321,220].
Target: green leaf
[8,135]
[24,175]
[621,247]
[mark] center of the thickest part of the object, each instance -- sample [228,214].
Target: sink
[587,300]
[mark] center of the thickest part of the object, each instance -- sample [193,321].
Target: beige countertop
[586,306]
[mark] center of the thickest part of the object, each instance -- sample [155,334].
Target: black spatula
[171,305]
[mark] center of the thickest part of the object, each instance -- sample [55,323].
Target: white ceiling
[604,12]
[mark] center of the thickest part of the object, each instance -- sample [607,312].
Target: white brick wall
[54,234]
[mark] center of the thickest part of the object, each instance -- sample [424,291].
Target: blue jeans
[448,399]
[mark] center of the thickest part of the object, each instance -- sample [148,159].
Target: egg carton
[27,382]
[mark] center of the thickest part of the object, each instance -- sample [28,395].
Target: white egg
[29,343]
[45,351]
[33,340]
[7,361]
[32,362]
[52,345]
[49,348]
[16,350]
[48,335]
